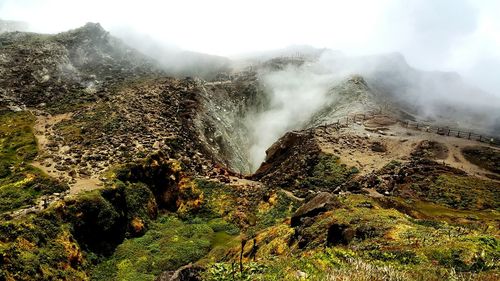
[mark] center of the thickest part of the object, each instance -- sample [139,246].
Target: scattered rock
[301,274]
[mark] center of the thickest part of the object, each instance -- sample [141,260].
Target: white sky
[456,35]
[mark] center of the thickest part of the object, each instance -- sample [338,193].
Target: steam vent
[126,157]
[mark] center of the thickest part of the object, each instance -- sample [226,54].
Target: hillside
[112,170]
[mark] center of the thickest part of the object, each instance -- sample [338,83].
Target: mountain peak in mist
[90,31]
[93,27]
[11,26]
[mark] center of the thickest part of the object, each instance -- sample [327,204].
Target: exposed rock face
[221,118]
[188,272]
[322,202]
[352,95]
[290,158]
[65,69]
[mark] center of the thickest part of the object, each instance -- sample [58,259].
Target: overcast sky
[455,35]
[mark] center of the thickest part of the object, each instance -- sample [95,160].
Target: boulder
[322,202]
[378,147]
[188,272]
[340,234]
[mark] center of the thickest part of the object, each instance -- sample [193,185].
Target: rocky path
[44,131]
[41,204]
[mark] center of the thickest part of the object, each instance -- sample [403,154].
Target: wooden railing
[440,130]
[455,132]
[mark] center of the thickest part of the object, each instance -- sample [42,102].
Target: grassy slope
[20,183]
[167,245]
[394,247]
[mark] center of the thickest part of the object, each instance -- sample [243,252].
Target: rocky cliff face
[66,69]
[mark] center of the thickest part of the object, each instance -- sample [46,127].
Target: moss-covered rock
[40,247]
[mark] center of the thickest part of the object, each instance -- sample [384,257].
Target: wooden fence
[444,131]
[455,132]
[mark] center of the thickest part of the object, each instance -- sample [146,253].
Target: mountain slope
[66,69]
[110,170]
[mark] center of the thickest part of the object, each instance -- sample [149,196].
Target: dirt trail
[43,129]
[454,145]
[353,144]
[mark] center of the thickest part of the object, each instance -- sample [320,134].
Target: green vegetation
[17,139]
[385,245]
[63,241]
[167,245]
[334,264]
[455,192]
[328,173]
[40,247]
[219,225]
[272,214]
[20,183]
[445,229]
[217,201]
[101,219]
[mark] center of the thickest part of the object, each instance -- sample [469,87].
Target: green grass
[461,192]
[332,264]
[20,183]
[283,208]
[387,245]
[447,214]
[16,137]
[40,247]
[173,240]
[22,188]
[167,245]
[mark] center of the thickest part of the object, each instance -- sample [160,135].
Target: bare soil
[43,129]
[353,144]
